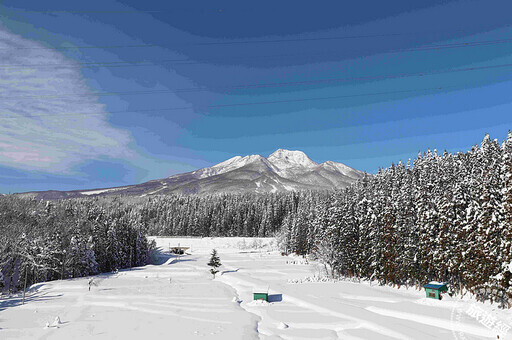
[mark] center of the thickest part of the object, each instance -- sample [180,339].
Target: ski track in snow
[240,284]
[427,320]
[179,298]
[367,298]
[122,305]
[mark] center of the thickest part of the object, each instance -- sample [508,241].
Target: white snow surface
[178,299]
[340,167]
[231,164]
[99,191]
[96,192]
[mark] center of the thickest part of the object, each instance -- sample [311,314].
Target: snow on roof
[435,285]
[438,283]
[260,290]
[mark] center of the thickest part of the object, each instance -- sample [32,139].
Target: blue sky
[108,93]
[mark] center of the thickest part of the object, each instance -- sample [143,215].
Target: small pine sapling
[92,282]
[214,263]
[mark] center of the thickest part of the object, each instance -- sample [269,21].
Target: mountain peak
[284,159]
[284,152]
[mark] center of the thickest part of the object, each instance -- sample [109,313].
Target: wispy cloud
[43,128]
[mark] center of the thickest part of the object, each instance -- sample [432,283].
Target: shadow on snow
[32,295]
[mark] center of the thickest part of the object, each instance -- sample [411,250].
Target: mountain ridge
[283,170]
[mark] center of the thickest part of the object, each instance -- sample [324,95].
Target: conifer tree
[214,263]
[506,227]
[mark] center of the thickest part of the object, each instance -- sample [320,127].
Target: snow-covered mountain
[285,159]
[283,170]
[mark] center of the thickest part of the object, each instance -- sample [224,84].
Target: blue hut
[434,289]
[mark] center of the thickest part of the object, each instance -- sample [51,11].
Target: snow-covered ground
[177,299]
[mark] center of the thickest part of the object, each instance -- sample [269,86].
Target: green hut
[434,289]
[260,294]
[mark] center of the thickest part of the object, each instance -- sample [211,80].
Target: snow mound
[282,325]
[316,278]
[313,279]
[297,261]
[57,321]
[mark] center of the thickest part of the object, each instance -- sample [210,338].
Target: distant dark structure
[178,250]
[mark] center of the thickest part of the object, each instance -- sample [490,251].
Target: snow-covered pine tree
[427,214]
[52,256]
[491,214]
[407,227]
[483,214]
[375,242]
[505,245]
[325,249]
[461,199]
[342,217]
[364,217]
[214,262]
[80,260]
[452,206]
[299,231]
[389,260]
[284,235]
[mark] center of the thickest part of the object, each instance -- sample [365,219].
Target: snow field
[179,299]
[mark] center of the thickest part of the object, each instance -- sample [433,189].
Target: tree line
[42,241]
[441,217]
[221,215]
[48,240]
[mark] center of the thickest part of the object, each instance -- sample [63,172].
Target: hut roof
[435,285]
[260,290]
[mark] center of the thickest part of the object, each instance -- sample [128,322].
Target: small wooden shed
[260,294]
[434,289]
